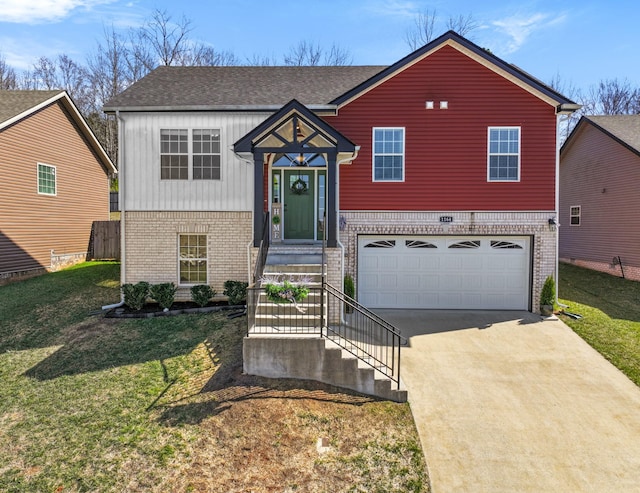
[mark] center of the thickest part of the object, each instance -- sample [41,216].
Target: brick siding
[151,250]
[630,272]
[533,224]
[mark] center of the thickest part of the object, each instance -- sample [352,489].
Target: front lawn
[610,310]
[101,405]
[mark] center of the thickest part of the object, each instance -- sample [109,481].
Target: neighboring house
[436,175]
[600,195]
[55,182]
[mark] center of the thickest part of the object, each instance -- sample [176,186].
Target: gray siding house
[599,195]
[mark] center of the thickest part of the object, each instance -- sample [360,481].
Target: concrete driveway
[508,402]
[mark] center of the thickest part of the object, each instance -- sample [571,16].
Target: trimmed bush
[349,286]
[548,293]
[236,291]
[201,294]
[135,295]
[164,294]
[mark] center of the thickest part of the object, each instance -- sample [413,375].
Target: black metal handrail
[263,250]
[364,334]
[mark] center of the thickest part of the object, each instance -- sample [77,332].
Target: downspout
[250,244]
[340,245]
[557,211]
[121,201]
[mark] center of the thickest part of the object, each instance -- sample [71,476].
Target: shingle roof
[17,105]
[14,103]
[625,128]
[208,87]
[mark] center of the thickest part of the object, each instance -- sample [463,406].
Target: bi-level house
[432,182]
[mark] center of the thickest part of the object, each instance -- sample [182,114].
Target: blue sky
[582,41]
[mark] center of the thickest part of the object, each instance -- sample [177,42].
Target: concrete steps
[285,341]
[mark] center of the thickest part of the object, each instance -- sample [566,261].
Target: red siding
[446,150]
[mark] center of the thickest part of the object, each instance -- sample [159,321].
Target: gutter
[121,184]
[327,109]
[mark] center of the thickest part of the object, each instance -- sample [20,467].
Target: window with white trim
[192,259]
[174,154]
[206,154]
[388,154]
[46,179]
[177,154]
[574,215]
[504,154]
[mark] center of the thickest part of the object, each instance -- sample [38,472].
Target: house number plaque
[446,219]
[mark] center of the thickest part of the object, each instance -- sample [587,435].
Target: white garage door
[475,272]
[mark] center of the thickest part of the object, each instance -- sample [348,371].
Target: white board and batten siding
[426,272]
[145,191]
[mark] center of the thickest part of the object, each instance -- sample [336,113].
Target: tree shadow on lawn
[229,384]
[98,343]
[211,400]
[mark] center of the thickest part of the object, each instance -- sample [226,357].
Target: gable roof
[293,107]
[238,88]
[17,105]
[624,129]
[319,88]
[480,55]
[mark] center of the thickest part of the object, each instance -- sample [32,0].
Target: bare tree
[567,123]
[304,53]
[109,74]
[427,23]
[202,55]
[166,40]
[612,97]
[423,30]
[338,56]
[258,60]
[461,24]
[8,77]
[310,54]
[44,73]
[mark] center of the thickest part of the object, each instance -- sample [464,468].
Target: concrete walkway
[508,402]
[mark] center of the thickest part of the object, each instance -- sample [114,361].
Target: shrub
[548,293]
[236,291]
[201,294]
[135,295]
[349,286]
[164,294]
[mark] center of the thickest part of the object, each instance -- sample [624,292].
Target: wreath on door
[299,187]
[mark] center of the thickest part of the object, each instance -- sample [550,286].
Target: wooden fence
[105,240]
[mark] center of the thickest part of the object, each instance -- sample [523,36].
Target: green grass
[610,307]
[89,404]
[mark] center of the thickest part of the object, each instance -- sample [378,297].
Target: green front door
[298,188]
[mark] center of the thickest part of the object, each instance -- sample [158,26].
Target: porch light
[300,160]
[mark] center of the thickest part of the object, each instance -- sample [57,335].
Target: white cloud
[41,11]
[519,27]
[399,8]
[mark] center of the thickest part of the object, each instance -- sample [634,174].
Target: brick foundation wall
[630,272]
[151,248]
[534,224]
